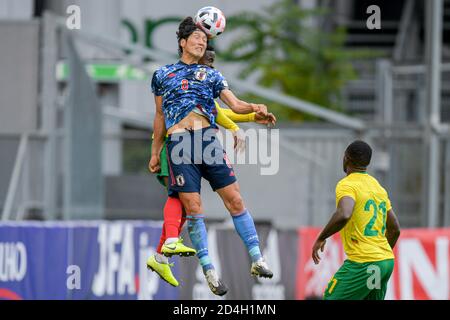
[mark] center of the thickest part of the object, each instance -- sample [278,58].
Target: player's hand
[268,120]
[318,245]
[239,140]
[154,164]
[260,109]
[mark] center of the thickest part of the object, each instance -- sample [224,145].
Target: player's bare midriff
[193,121]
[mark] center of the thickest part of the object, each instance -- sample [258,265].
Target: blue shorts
[195,154]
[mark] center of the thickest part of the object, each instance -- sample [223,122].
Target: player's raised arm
[339,219]
[159,131]
[268,120]
[392,228]
[240,106]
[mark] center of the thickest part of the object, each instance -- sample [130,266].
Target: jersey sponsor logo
[200,75]
[180,180]
[171,75]
[184,84]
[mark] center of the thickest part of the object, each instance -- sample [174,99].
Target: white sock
[160,258]
[170,240]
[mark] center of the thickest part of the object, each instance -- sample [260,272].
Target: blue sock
[245,227]
[199,239]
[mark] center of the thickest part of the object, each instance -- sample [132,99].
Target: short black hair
[185,29]
[359,154]
[210,47]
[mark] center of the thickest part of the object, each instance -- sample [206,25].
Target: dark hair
[185,29]
[209,47]
[359,154]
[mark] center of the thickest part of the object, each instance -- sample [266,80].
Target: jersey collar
[185,64]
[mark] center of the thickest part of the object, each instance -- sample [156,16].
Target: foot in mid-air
[163,270]
[177,248]
[215,283]
[261,269]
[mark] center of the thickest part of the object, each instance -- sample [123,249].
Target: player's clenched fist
[154,164]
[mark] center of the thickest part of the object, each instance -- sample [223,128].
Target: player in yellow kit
[369,230]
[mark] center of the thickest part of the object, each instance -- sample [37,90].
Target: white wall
[16,9]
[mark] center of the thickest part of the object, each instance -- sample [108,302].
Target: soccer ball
[211,20]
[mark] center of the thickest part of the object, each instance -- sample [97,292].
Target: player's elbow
[159,113]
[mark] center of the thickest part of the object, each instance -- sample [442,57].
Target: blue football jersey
[185,87]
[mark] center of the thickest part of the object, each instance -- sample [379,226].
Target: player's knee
[236,204]
[192,205]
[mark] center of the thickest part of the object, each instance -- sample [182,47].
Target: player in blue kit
[184,96]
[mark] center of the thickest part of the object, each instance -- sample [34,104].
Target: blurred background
[76,115]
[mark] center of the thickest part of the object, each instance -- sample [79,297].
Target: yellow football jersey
[364,234]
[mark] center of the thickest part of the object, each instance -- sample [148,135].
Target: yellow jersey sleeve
[388,204]
[248,117]
[223,120]
[345,190]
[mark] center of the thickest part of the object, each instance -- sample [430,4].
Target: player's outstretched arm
[236,117]
[239,106]
[269,120]
[339,219]
[392,228]
[224,120]
[159,132]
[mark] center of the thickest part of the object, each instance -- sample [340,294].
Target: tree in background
[287,53]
